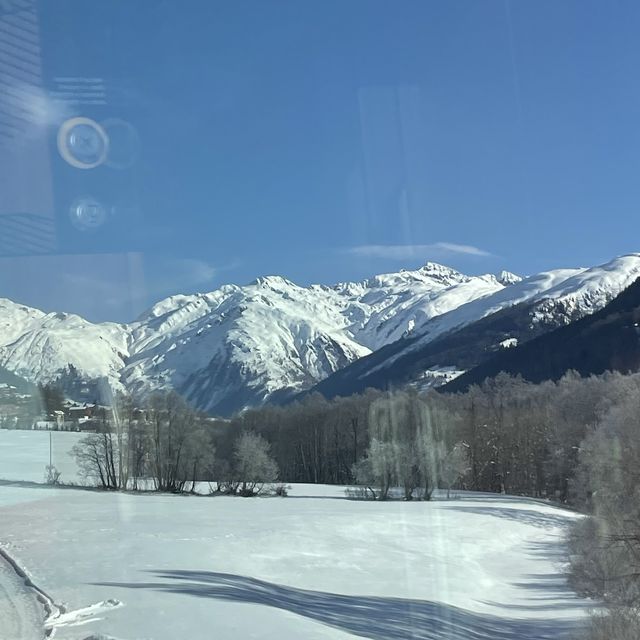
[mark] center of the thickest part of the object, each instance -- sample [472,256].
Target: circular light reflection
[83,143]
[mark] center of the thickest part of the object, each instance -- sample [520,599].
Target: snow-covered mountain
[560,296]
[38,346]
[464,336]
[240,346]
[608,339]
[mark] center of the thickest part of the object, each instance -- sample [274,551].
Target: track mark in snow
[85,615]
[28,613]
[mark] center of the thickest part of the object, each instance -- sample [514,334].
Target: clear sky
[328,140]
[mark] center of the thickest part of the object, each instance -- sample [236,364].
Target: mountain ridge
[240,346]
[522,311]
[608,339]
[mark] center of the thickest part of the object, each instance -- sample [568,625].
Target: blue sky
[329,140]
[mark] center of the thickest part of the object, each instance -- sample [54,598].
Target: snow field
[313,565]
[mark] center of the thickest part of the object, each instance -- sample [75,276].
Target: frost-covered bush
[254,468]
[605,547]
[282,490]
[52,475]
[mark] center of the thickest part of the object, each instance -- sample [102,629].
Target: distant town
[47,409]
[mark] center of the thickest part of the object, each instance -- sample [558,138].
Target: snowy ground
[313,565]
[25,454]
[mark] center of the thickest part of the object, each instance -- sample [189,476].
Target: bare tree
[96,456]
[179,445]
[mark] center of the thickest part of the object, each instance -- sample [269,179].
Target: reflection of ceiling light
[87,213]
[83,143]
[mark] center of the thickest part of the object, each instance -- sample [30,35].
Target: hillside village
[47,409]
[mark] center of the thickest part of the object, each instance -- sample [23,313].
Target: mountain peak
[441,273]
[430,274]
[507,277]
[436,268]
[272,282]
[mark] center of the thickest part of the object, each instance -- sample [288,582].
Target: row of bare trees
[506,435]
[410,448]
[165,445]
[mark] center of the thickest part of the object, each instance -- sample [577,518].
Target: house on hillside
[77,411]
[85,416]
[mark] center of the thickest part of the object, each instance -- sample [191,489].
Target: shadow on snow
[377,618]
[526,516]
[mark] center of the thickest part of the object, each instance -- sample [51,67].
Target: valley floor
[314,565]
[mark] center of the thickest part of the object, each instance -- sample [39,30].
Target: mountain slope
[39,346]
[241,346]
[606,340]
[471,333]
